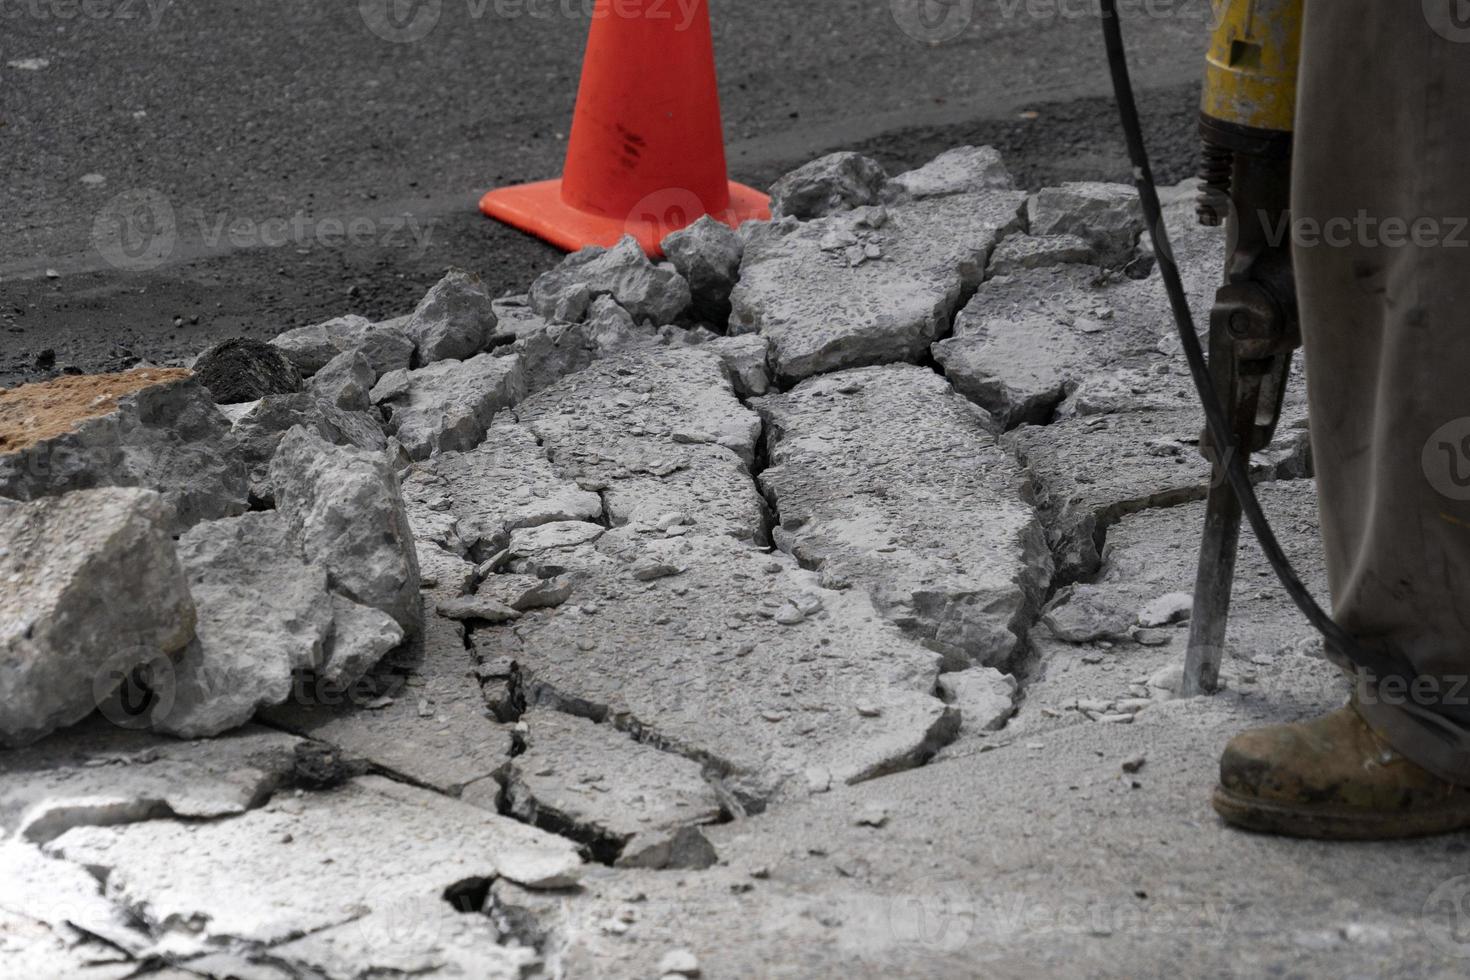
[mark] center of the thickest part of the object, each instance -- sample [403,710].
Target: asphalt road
[319,159]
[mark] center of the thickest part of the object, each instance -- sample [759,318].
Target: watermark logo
[932,21]
[401,21]
[1450,19]
[136,231]
[1446,459]
[133,688]
[1450,899]
[662,212]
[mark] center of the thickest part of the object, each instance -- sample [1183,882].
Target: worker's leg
[1381,198]
[1383,174]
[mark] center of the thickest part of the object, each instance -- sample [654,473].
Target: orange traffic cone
[647,154]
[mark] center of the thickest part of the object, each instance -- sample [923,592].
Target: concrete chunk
[93,588]
[264,613]
[649,293]
[449,404]
[1107,216]
[453,320]
[962,170]
[707,254]
[151,428]
[836,182]
[346,511]
[386,346]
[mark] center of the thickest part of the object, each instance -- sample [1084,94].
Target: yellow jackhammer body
[1246,123]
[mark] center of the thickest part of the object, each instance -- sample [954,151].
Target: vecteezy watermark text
[140,229]
[406,21]
[148,13]
[1365,230]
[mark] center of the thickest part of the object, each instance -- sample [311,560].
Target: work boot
[1333,779]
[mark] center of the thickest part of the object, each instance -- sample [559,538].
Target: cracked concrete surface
[829,648]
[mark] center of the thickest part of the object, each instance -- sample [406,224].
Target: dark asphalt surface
[271,129]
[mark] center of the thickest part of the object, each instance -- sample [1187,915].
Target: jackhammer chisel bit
[1246,124]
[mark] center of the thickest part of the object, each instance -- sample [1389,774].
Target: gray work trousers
[1381,205]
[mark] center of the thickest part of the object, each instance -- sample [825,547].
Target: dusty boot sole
[1327,823]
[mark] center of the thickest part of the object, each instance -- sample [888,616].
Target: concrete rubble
[813,603]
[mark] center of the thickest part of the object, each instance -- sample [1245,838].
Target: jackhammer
[1247,119]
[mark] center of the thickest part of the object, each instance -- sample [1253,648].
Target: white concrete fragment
[962,170]
[344,507]
[836,182]
[385,345]
[1107,216]
[264,613]
[90,588]
[449,404]
[454,320]
[649,293]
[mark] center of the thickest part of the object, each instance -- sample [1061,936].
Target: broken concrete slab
[886,479]
[386,346]
[422,937]
[294,866]
[98,774]
[344,507]
[1122,669]
[449,404]
[454,320]
[1107,216]
[655,430]
[505,483]
[707,254]
[1019,370]
[599,786]
[650,293]
[705,663]
[830,184]
[870,286]
[94,589]
[1091,471]
[55,922]
[419,714]
[264,614]
[961,170]
[152,428]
